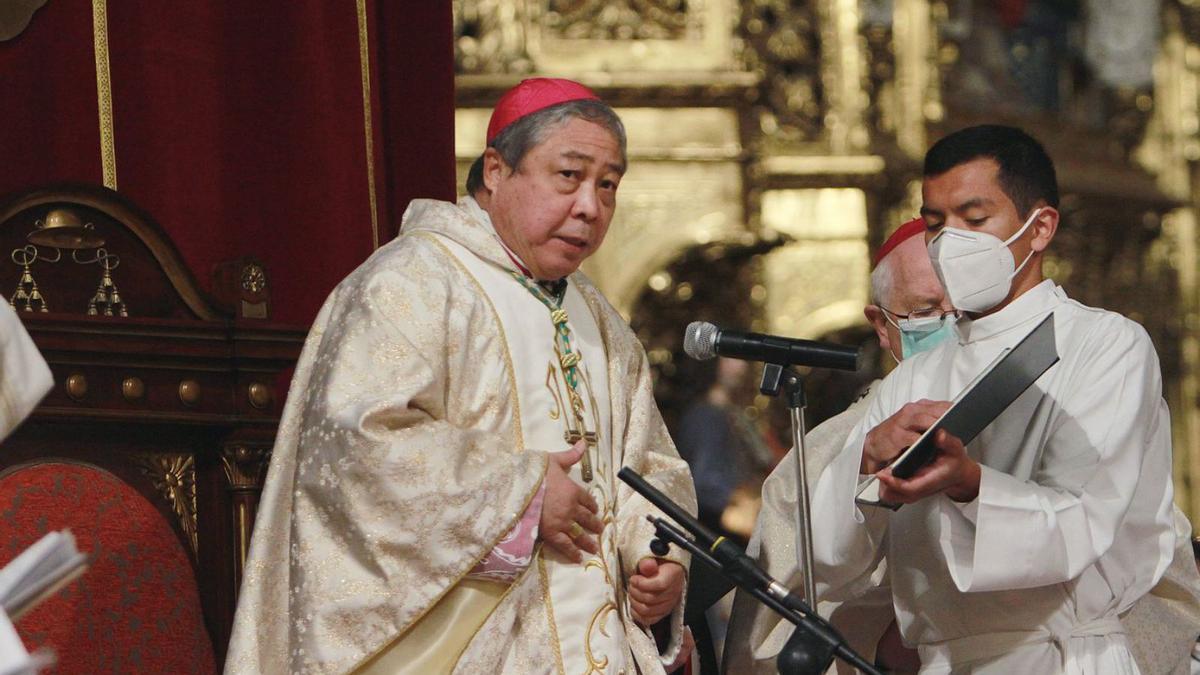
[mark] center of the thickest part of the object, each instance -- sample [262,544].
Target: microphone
[703,341]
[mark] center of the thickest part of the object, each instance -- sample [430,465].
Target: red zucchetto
[910,229]
[531,96]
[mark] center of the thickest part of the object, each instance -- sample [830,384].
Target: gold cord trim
[108,144]
[545,579]
[364,58]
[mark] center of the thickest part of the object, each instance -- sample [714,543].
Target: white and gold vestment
[414,437]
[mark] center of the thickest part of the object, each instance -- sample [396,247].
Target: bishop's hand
[568,511]
[655,589]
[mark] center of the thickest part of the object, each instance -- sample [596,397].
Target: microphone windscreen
[700,340]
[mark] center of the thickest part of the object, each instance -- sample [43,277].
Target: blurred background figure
[725,449]
[729,459]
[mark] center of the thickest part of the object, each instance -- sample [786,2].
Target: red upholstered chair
[136,610]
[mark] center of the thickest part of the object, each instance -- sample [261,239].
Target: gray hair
[525,134]
[882,278]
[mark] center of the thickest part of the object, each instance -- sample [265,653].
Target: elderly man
[909,315]
[443,494]
[1019,552]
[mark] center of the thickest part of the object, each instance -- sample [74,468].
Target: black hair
[1026,171]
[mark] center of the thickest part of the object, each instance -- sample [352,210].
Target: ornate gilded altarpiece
[775,143]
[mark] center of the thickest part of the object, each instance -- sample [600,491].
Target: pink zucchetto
[903,233]
[531,96]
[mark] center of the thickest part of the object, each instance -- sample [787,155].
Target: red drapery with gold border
[295,131]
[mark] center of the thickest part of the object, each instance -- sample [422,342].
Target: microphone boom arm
[813,632]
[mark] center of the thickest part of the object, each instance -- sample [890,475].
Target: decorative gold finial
[62,228]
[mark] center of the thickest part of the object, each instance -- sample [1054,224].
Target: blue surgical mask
[921,335]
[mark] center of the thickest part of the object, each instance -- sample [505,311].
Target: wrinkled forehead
[915,283]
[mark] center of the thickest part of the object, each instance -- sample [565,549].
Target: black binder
[980,402]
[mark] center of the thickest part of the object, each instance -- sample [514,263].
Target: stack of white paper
[40,571]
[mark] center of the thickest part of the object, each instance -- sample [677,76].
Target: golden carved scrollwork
[516,37]
[491,37]
[174,476]
[622,19]
[842,77]
[244,465]
[881,71]
[783,46]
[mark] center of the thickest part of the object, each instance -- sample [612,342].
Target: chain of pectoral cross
[569,360]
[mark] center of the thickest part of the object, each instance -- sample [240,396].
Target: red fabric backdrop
[240,127]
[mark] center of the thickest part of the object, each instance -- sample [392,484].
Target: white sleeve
[1104,472]
[848,542]
[24,376]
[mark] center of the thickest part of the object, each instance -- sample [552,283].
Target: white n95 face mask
[976,268]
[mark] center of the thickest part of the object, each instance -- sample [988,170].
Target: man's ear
[494,169]
[875,315]
[1044,228]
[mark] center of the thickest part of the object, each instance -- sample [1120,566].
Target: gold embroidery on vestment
[545,579]
[552,385]
[518,444]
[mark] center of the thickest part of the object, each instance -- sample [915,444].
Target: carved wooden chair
[165,403]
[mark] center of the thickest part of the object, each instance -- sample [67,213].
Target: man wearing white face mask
[910,314]
[1017,553]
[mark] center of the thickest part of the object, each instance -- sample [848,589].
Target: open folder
[980,402]
[39,571]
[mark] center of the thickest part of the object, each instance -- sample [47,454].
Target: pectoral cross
[581,433]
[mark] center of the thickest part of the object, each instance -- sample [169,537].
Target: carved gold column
[1172,150]
[918,88]
[1180,226]
[245,467]
[842,76]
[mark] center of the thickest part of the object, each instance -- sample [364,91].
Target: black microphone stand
[776,379]
[813,644]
